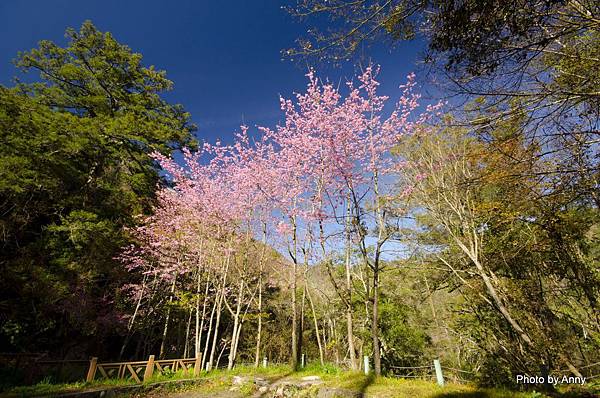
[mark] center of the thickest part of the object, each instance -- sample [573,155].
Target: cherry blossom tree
[322,174]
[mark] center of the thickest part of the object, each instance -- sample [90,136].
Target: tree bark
[260,292]
[375,324]
[200,325]
[236,325]
[132,319]
[312,307]
[187,334]
[220,299]
[294,337]
[209,334]
[167,318]
[349,321]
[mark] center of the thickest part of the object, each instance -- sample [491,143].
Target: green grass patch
[220,380]
[45,387]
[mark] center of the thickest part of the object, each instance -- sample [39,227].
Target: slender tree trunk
[216,331]
[167,318]
[186,348]
[200,322]
[259,327]
[178,344]
[376,269]
[219,308]
[295,353]
[260,292]
[236,325]
[375,324]
[220,355]
[349,323]
[301,323]
[209,334]
[336,351]
[371,297]
[239,329]
[312,307]
[199,329]
[132,319]
[360,355]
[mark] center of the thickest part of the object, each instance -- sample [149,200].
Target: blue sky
[224,57]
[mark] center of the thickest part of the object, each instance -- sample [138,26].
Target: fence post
[92,370]
[438,372]
[302,361]
[198,364]
[149,368]
[264,362]
[366,362]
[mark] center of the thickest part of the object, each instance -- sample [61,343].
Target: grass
[219,381]
[391,387]
[45,387]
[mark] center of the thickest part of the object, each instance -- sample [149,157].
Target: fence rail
[142,370]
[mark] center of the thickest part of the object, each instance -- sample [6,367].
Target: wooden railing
[142,370]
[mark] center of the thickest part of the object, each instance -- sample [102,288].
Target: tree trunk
[200,322]
[295,353]
[381,238]
[312,307]
[260,291]
[220,299]
[209,334]
[375,324]
[349,323]
[236,325]
[216,331]
[187,334]
[132,319]
[301,324]
[259,328]
[336,351]
[200,328]
[166,327]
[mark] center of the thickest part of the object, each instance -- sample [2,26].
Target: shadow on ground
[465,394]
[271,382]
[366,383]
[485,394]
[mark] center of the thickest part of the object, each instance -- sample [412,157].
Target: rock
[307,384]
[260,382]
[239,380]
[263,389]
[311,378]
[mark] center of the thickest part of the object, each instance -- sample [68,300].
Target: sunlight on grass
[45,387]
[219,380]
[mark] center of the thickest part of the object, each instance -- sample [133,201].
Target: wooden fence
[142,370]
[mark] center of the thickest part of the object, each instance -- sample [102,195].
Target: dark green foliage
[405,341]
[478,35]
[74,170]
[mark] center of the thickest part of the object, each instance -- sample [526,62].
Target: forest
[463,228]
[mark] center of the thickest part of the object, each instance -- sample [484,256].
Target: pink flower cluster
[290,177]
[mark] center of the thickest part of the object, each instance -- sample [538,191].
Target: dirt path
[200,394]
